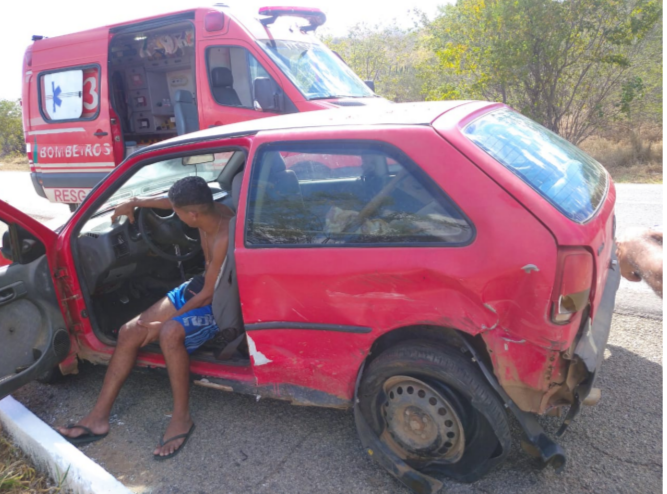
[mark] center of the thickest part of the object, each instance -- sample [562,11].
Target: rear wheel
[432,406]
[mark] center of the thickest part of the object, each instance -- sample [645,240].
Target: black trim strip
[82,180]
[311,326]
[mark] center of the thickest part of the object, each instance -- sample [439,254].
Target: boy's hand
[125,209]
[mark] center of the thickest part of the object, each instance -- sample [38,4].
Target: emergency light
[315,17]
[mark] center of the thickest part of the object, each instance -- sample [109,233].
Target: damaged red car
[433,266]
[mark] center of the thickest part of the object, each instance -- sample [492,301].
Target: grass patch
[17,474]
[638,162]
[14,163]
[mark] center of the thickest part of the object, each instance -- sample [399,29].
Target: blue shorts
[198,323]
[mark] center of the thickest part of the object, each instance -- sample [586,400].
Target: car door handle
[99,133]
[12,292]
[7,295]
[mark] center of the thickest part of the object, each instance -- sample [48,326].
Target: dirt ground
[15,165]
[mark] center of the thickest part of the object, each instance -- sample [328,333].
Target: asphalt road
[638,206]
[246,446]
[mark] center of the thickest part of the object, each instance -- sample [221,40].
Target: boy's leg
[172,342]
[131,337]
[179,337]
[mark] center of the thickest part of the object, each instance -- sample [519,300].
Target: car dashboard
[111,252]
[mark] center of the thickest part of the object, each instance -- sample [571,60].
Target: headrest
[222,77]
[277,165]
[183,96]
[236,189]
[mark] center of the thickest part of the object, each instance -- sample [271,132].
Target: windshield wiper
[332,96]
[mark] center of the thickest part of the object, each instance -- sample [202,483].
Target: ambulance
[92,98]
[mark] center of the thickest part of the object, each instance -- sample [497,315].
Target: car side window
[342,193]
[70,94]
[232,71]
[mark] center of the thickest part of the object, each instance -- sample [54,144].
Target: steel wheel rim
[421,422]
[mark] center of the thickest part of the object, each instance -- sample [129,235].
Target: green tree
[386,55]
[562,63]
[11,128]
[640,96]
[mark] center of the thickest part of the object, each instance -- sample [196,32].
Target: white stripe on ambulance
[55,131]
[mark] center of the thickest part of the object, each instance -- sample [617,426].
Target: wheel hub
[421,421]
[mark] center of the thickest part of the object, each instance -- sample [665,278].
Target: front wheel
[433,407]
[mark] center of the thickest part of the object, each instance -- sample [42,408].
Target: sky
[20,19]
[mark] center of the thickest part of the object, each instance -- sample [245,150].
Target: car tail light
[214,21]
[574,279]
[28,152]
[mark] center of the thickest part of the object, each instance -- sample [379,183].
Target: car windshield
[156,178]
[315,70]
[560,172]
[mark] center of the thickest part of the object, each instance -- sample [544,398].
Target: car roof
[391,114]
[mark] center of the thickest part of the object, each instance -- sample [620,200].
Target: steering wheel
[161,232]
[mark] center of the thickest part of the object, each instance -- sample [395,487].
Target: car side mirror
[370,84]
[268,96]
[27,245]
[30,248]
[6,249]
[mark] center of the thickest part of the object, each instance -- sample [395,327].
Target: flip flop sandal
[171,455]
[88,436]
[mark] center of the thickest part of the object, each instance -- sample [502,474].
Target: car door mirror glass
[27,245]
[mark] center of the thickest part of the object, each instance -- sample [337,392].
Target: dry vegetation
[14,163]
[17,475]
[628,160]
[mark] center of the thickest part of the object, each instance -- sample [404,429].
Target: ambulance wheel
[72,207]
[433,407]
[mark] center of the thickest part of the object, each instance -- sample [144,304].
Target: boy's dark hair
[190,191]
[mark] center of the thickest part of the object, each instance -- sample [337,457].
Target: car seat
[222,87]
[226,304]
[185,111]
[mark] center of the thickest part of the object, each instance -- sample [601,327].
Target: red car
[447,262]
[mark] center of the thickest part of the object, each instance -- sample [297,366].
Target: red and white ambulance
[92,98]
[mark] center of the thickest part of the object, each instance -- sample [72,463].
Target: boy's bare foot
[176,427]
[96,425]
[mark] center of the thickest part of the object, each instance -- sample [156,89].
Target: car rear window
[564,175]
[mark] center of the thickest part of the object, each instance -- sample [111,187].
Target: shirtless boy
[180,326]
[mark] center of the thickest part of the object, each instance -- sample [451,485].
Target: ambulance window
[231,73]
[71,94]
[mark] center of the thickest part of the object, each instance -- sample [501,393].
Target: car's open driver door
[33,334]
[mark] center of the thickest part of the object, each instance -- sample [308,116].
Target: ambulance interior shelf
[147,68]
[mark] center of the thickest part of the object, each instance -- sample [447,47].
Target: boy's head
[191,199]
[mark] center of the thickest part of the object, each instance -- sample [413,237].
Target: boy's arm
[127,208]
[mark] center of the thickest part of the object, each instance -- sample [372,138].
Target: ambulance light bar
[315,17]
